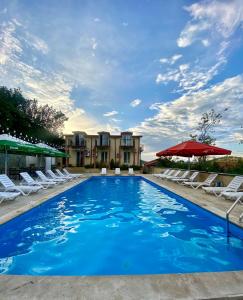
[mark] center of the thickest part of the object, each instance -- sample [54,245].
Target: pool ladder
[238,200]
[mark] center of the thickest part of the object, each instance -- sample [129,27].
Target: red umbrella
[190,148]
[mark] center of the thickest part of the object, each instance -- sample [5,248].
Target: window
[104,156]
[80,140]
[126,140]
[104,139]
[126,157]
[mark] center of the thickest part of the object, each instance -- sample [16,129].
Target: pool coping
[208,285]
[225,285]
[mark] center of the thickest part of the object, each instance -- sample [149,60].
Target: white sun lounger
[54,177]
[8,196]
[130,171]
[31,182]
[164,173]
[117,171]
[65,172]
[175,175]
[233,186]
[183,176]
[43,177]
[170,173]
[206,182]
[103,171]
[190,179]
[67,177]
[232,195]
[9,185]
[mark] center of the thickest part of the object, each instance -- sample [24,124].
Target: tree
[206,127]
[25,118]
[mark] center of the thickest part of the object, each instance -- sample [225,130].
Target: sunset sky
[152,67]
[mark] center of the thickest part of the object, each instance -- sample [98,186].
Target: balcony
[80,145]
[125,143]
[103,145]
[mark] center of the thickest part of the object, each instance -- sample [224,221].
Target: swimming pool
[118,225]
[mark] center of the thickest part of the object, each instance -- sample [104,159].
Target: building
[99,150]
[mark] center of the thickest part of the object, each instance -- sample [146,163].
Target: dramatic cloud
[175,120]
[194,76]
[110,113]
[216,17]
[135,102]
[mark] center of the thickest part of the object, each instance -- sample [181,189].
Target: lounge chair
[233,186]
[183,176]
[170,173]
[61,175]
[163,173]
[117,171]
[65,172]
[190,179]
[206,182]
[232,195]
[31,182]
[103,171]
[9,185]
[130,171]
[236,196]
[174,175]
[43,177]
[54,177]
[8,196]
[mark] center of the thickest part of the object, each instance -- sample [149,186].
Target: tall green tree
[26,117]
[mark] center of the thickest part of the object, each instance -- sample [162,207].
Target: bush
[112,164]
[226,165]
[103,164]
[89,166]
[124,167]
[135,167]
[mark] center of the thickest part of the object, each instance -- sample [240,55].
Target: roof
[151,162]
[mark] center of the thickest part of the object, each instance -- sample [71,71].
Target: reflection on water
[116,226]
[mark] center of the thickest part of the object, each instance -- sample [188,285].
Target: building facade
[99,150]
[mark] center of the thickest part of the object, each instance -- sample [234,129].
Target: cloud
[51,88]
[218,18]
[135,102]
[196,75]
[96,19]
[170,60]
[110,113]
[175,120]
[94,43]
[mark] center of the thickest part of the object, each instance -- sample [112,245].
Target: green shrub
[112,164]
[89,166]
[124,167]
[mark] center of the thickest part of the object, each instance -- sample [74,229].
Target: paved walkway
[224,285]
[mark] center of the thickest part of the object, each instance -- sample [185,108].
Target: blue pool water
[117,225]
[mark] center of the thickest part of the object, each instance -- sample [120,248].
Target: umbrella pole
[189,164]
[6,161]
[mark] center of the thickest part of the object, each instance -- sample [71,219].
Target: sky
[151,67]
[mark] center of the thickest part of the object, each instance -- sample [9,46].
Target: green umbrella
[10,144]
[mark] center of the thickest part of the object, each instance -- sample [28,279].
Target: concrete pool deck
[224,285]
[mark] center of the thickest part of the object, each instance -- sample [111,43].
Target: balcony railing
[127,143]
[77,145]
